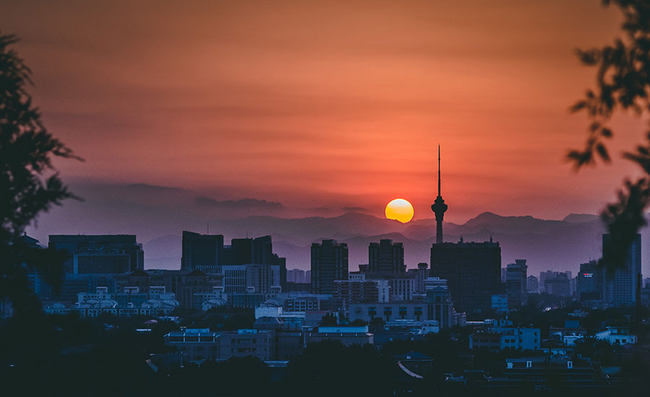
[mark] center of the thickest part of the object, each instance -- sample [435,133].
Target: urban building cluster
[105,274]
[383,300]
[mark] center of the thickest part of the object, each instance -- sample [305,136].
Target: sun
[399,210]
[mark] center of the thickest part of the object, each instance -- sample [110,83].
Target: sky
[326,105]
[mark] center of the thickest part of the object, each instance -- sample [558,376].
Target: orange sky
[332,104]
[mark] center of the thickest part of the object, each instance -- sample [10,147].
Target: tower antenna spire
[438,170]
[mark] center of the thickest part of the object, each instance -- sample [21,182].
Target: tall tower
[439,207]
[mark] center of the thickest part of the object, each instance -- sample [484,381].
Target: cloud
[152,188]
[354,209]
[246,203]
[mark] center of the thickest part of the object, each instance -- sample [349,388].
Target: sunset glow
[316,105]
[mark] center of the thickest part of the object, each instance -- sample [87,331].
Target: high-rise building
[202,252]
[207,253]
[516,278]
[88,254]
[329,262]
[472,271]
[243,251]
[297,276]
[439,302]
[590,282]
[421,274]
[532,285]
[620,287]
[557,283]
[386,258]
[543,276]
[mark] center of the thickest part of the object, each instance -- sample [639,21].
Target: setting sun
[399,210]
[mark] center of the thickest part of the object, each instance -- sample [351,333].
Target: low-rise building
[617,336]
[130,303]
[347,335]
[208,300]
[506,338]
[499,303]
[388,311]
[200,344]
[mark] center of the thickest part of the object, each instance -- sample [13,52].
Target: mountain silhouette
[158,214]
[546,244]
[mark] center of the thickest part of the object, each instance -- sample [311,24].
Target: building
[532,285]
[304,302]
[369,312]
[205,301]
[621,287]
[499,303]
[144,279]
[516,283]
[208,253]
[355,290]
[472,271]
[247,300]
[71,286]
[557,283]
[329,262]
[590,282]
[252,278]
[189,286]
[402,288]
[243,251]
[347,335]
[129,303]
[386,258]
[617,336]
[202,252]
[421,274]
[97,254]
[506,338]
[439,304]
[200,344]
[645,295]
[298,276]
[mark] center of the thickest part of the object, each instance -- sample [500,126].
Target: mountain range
[546,244]
[158,214]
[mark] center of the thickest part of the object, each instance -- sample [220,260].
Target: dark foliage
[329,369]
[29,184]
[622,83]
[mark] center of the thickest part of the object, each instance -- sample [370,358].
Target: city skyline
[324,198]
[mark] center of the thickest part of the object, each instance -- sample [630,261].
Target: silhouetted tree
[29,184]
[622,83]
[330,369]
